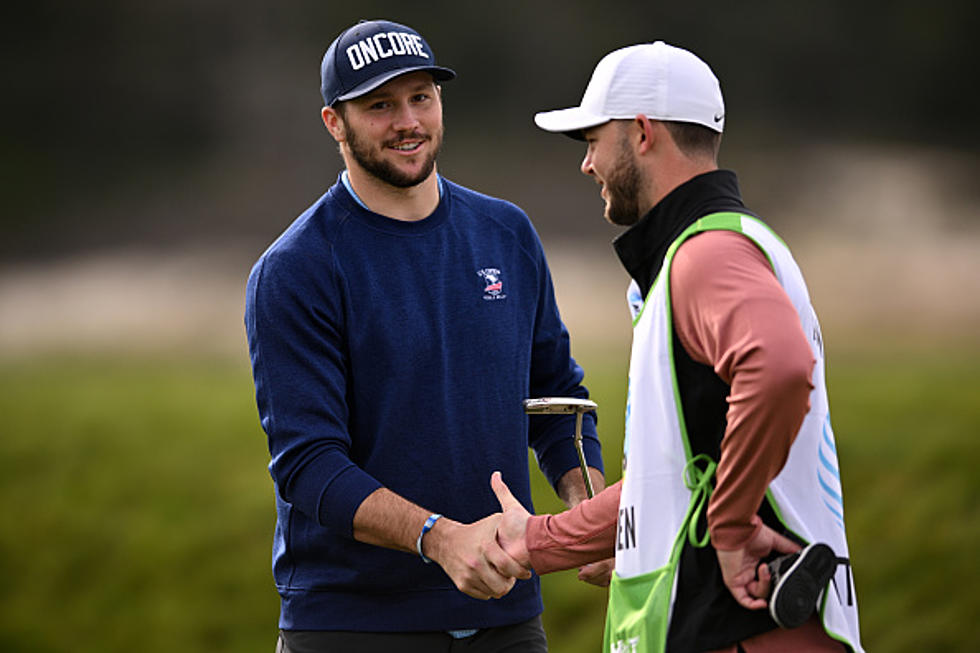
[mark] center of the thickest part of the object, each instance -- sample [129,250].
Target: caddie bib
[666,486]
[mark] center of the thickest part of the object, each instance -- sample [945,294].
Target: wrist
[426,527]
[433,543]
[734,535]
[571,486]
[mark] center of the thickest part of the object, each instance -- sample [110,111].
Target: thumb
[504,496]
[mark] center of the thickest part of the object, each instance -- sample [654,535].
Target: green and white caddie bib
[665,486]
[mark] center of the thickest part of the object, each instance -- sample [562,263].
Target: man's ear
[334,124]
[647,132]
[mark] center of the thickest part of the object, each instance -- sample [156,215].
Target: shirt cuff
[336,501]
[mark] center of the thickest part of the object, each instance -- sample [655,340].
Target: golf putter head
[567,406]
[558,405]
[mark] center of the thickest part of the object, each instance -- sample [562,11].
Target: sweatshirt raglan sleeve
[554,373]
[731,312]
[295,326]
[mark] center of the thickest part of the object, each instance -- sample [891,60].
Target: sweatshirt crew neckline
[358,211]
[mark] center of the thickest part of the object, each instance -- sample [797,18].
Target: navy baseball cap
[370,53]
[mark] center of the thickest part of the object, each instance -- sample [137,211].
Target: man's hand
[468,553]
[739,566]
[512,527]
[597,573]
[571,487]
[471,556]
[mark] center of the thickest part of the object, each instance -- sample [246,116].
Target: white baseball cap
[657,80]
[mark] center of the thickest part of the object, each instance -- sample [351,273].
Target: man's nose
[406,117]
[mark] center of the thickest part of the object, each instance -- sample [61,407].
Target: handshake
[484,559]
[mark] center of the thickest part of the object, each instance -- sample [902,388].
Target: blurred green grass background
[139,514]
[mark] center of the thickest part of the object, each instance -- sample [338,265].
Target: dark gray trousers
[527,637]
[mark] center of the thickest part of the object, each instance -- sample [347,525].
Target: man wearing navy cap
[394,330]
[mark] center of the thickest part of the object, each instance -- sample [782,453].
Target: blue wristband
[426,527]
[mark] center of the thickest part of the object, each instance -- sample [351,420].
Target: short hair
[693,139]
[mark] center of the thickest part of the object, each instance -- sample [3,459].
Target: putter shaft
[566,405]
[581,456]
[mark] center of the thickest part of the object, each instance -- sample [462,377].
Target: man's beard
[385,170]
[623,189]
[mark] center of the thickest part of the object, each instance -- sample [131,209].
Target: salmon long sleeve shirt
[730,312]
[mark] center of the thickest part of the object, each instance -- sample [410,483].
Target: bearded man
[730,460]
[394,330]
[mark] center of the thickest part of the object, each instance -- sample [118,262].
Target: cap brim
[438,72]
[569,121]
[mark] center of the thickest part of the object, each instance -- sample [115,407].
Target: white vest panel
[806,495]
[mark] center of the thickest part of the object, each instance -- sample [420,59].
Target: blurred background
[151,151]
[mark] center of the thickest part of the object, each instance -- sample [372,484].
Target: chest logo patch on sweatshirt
[493,284]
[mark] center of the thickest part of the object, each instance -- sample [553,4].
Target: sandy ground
[891,257]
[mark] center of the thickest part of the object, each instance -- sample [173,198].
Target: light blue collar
[345,178]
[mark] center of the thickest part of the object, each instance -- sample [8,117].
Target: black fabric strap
[847,573]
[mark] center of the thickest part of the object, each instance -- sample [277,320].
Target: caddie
[730,459]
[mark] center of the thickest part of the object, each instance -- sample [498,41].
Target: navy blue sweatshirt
[396,354]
